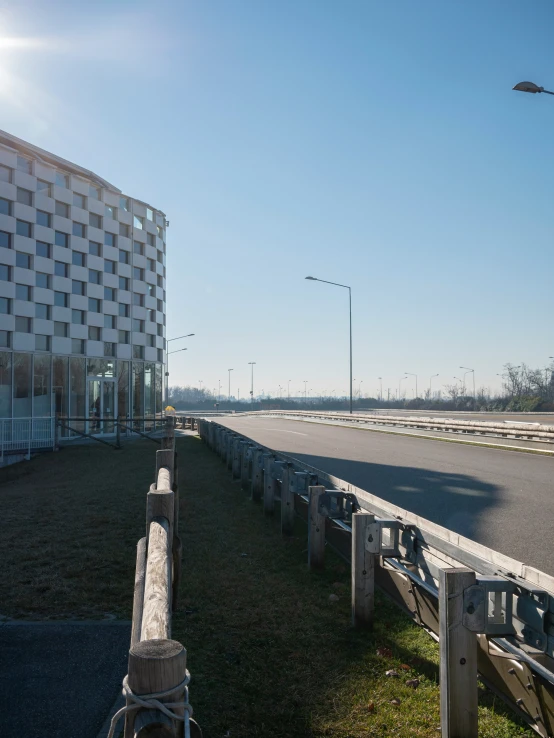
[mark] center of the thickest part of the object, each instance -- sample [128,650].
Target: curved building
[82,295]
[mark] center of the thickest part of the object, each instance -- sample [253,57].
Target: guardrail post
[363,569]
[316,529]
[287,502]
[269,487]
[244,464]
[458,657]
[256,486]
[236,458]
[229,457]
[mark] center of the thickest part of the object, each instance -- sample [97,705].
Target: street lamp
[461,381]
[430,380]
[251,363]
[336,284]
[381,387]
[399,385]
[530,87]
[305,385]
[167,373]
[411,374]
[177,338]
[289,381]
[230,370]
[468,372]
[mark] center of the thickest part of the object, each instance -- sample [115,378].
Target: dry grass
[269,654]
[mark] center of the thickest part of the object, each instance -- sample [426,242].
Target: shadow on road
[455,501]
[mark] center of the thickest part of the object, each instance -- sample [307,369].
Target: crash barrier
[492,615]
[156,686]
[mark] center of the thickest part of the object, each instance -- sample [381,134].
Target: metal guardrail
[490,613]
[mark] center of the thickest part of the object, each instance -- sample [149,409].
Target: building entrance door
[101,406]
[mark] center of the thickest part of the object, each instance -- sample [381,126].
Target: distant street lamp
[399,385]
[305,390]
[177,338]
[530,87]
[411,374]
[430,380]
[251,363]
[468,372]
[230,370]
[167,373]
[336,284]
[461,381]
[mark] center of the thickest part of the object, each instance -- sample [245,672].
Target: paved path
[59,680]
[503,499]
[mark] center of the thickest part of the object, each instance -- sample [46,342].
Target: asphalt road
[502,499]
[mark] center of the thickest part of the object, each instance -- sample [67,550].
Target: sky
[374,144]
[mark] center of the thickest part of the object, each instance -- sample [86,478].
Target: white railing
[24,435]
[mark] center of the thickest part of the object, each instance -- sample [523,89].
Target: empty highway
[502,499]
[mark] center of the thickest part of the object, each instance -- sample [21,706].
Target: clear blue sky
[376,144]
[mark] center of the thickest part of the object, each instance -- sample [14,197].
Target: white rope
[152,702]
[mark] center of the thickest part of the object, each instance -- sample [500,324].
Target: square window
[94,276]
[160,257]
[124,230]
[160,231]
[22,260]
[138,273]
[138,299]
[95,220]
[61,239]
[5,240]
[62,209]
[23,325]
[160,280]
[61,269]
[61,299]
[23,292]
[5,174]
[44,218]
[110,212]
[24,165]
[42,280]
[79,229]
[160,330]
[5,206]
[123,310]
[138,247]
[124,203]
[5,339]
[123,257]
[138,325]
[109,349]
[94,333]
[77,287]
[5,306]
[138,222]
[78,317]
[151,239]
[61,329]
[123,283]
[42,311]
[62,180]
[160,306]
[78,258]
[138,352]
[109,293]
[109,239]
[109,266]
[44,249]
[80,201]
[43,187]
[150,214]
[152,316]
[151,290]
[123,336]
[94,305]
[109,321]
[94,192]
[160,355]
[152,341]
[77,346]
[25,197]
[42,343]
[94,248]
[151,265]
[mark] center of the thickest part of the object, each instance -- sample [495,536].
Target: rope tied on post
[152,702]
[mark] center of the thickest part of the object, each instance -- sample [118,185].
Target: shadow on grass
[269,654]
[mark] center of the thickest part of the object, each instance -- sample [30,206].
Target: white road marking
[280,430]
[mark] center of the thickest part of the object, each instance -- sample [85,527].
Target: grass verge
[269,654]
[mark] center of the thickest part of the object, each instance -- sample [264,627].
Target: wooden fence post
[287,502]
[138,597]
[363,570]
[269,487]
[316,529]
[458,657]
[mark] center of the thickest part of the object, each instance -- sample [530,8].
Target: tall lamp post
[411,374]
[336,284]
[177,338]
[461,381]
[430,382]
[251,363]
[381,387]
[167,373]
[229,395]
[530,87]
[470,371]
[289,390]
[399,385]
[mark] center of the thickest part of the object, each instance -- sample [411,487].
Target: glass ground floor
[84,393]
